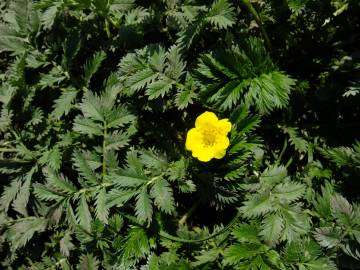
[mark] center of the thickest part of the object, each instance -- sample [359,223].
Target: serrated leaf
[246,233]
[22,198]
[238,252]
[116,140]
[327,237]
[140,79]
[49,15]
[66,245]
[288,191]
[92,65]
[163,196]
[83,214]
[175,65]
[84,168]
[207,256]
[88,262]
[91,106]
[87,126]
[23,230]
[221,14]
[58,182]
[125,178]
[299,143]
[63,104]
[271,228]
[136,246]
[46,194]
[9,194]
[101,208]
[257,206]
[143,206]
[159,87]
[119,197]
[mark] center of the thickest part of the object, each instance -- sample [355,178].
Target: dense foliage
[97,97]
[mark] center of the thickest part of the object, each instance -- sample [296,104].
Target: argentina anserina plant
[180,134]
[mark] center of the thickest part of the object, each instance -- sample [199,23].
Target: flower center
[209,135]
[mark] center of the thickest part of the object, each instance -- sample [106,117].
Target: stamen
[209,135]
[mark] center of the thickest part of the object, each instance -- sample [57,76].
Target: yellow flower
[209,137]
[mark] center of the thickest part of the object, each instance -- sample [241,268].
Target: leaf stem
[104,153]
[283,150]
[8,150]
[183,219]
[257,18]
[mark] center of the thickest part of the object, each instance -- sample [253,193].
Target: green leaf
[87,126]
[175,66]
[185,97]
[273,174]
[88,262]
[66,245]
[25,17]
[221,14]
[119,117]
[83,167]
[101,208]
[136,246]
[45,194]
[143,206]
[83,214]
[22,198]
[23,230]
[328,237]
[271,228]
[63,104]
[57,182]
[289,191]
[10,42]
[246,233]
[49,15]
[125,178]
[299,143]
[119,197]
[257,206]
[91,106]
[163,196]
[159,87]
[92,65]
[141,79]
[9,194]
[234,254]
[116,140]
[207,256]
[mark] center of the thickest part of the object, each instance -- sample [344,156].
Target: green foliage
[97,97]
[230,76]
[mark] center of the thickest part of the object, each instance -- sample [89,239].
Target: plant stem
[283,150]
[183,219]
[104,153]
[8,150]
[257,18]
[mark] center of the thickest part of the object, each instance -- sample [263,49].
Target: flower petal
[224,126]
[222,142]
[193,139]
[220,154]
[205,119]
[203,154]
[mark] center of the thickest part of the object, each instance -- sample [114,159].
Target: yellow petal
[205,119]
[222,142]
[220,154]
[224,126]
[203,154]
[193,139]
